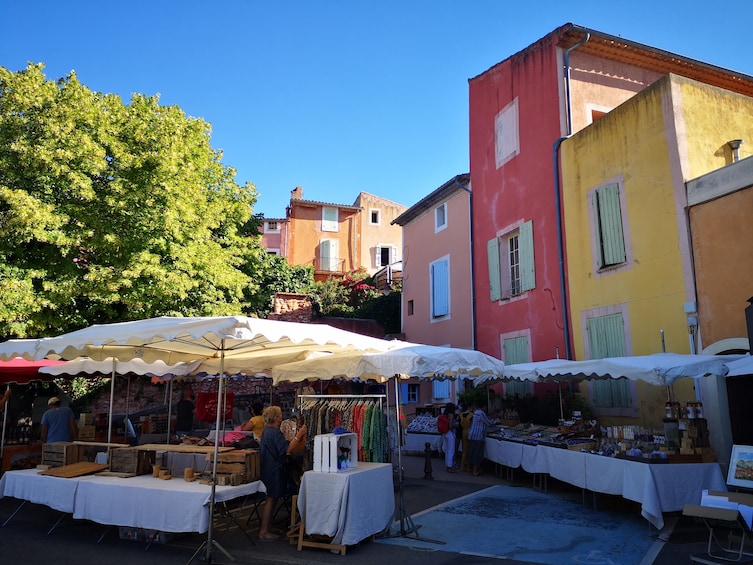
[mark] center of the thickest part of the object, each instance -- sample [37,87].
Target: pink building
[437,278]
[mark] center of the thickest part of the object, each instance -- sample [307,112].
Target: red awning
[21,371]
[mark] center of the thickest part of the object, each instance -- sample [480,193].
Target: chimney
[296,193]
[735,146]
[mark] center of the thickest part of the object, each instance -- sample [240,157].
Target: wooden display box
[236,466]
[87,431]
[131,460]
[61,453]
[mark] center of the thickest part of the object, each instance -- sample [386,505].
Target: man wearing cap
[58,422]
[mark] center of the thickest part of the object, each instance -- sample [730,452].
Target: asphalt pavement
[26,538]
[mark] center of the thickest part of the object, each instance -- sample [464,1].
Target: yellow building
[629,261]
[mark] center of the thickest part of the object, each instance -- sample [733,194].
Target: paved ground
[25,538]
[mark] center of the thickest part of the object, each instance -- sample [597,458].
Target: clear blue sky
[335,96]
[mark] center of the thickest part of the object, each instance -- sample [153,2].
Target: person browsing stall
[256,422]
[477,439]
[274,454]
[184,412]
[58,422]
[446,427]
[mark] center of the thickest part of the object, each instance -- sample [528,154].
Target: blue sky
[338,97]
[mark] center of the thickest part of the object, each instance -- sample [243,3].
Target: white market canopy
[136,366]
[403,359]
[661,369]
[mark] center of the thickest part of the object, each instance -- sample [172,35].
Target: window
[606,338]
[410,308]
[510,262]
[440,288]
[440,389]
[328,255]
[329,219]
[440,217]
[607,218]
[516,350]
[374,217]
[273,251]
[506,144]
[384,255]
[271,227]
[409,393]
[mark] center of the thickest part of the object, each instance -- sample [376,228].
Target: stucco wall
[383,233]
[421,247]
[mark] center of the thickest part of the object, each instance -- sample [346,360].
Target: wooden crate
[61,453]
[244,462]
[131,460]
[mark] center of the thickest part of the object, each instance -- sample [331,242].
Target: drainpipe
[558,202]
[473,276]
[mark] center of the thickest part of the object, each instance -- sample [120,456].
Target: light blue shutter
[325,254]
[440,300]
[329,219]
[403,394]
[495,283]
[527,270]
[441,389]
[609,232]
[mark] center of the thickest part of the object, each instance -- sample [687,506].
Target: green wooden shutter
[527,270]
[609,231]
[606,338]
[495,283]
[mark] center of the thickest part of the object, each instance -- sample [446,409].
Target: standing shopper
[185,411]
[477,439]
[58,422]
[274,453]
[446,426]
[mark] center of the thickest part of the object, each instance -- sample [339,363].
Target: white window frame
[438,227]
[269,229]
[333,263]
[273,251]
[378,254]
[378,213]
[506,134]
[620,219]
[439,275]
[329,224]
[509,281]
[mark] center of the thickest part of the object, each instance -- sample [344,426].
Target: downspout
[558,201]
[473,276]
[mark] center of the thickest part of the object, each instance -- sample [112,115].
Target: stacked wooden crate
[237,466]
[131,460]
[61,453]
[86,427]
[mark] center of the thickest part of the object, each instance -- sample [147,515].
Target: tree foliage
[113,211]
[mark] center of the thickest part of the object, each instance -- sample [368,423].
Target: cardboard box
[731,507]
[335,452]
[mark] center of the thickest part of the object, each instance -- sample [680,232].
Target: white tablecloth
[28,484]
[139,502]
[350,505]
[657,487]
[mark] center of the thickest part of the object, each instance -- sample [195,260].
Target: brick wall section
[290,307]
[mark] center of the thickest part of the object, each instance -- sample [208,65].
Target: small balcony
[329,265]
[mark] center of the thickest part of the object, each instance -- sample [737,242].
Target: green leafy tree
[113,211]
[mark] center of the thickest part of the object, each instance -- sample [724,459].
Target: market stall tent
[214,341]
[22,371]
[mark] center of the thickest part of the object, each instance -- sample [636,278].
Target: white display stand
[327,449]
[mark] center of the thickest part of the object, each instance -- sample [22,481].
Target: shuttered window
[511,272]
[440,389]
[516,351]
[606,338]
[495,283]
[440,288]
[608,226]
[329,219]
